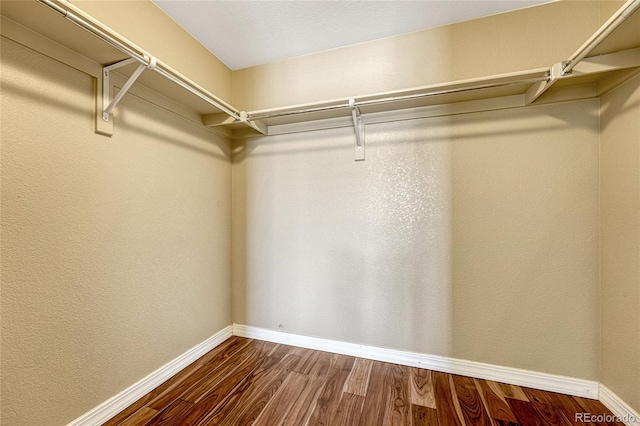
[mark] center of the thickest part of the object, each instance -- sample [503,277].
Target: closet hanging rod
[601,33]
[96,28]
[347,105]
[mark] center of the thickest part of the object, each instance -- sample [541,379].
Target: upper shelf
[608,63]
[610,57]
[437,94]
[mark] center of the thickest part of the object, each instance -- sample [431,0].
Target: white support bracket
[256,125]
[359,130]
[109,104]
[609,62]
[539,88]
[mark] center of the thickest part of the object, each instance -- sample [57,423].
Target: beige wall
[608,8]
[620,241]
[115,251]
[471,236]
[535,37]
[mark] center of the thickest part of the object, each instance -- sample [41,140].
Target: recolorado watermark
[604,418]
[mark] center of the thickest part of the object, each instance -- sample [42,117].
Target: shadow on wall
[460,236]
[219,145]
[621,107]
[215,146]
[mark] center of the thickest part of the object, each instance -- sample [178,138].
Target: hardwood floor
[246,381]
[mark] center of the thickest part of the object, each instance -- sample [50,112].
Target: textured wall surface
[524,39]
[471,236]
[620,241]
[115,251]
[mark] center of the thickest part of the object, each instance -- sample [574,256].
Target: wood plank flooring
[246,381]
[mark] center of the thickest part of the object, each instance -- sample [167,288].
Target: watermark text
[604,418]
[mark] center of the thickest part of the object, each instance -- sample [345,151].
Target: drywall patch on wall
[471,236]
[620,241]
[115,251]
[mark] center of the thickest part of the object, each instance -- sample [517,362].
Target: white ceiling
[248,33]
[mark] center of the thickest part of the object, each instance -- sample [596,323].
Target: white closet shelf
[607,59]
[612,58]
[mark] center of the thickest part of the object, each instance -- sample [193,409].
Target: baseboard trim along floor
[613,402]
[114,405]
[478,370]
[542,381]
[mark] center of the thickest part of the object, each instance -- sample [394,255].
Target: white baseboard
[628,415]
[515,376]
[533,379]
[113,406]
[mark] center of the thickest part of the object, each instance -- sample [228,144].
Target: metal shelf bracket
[359,130]
[109,104]
[256,125]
